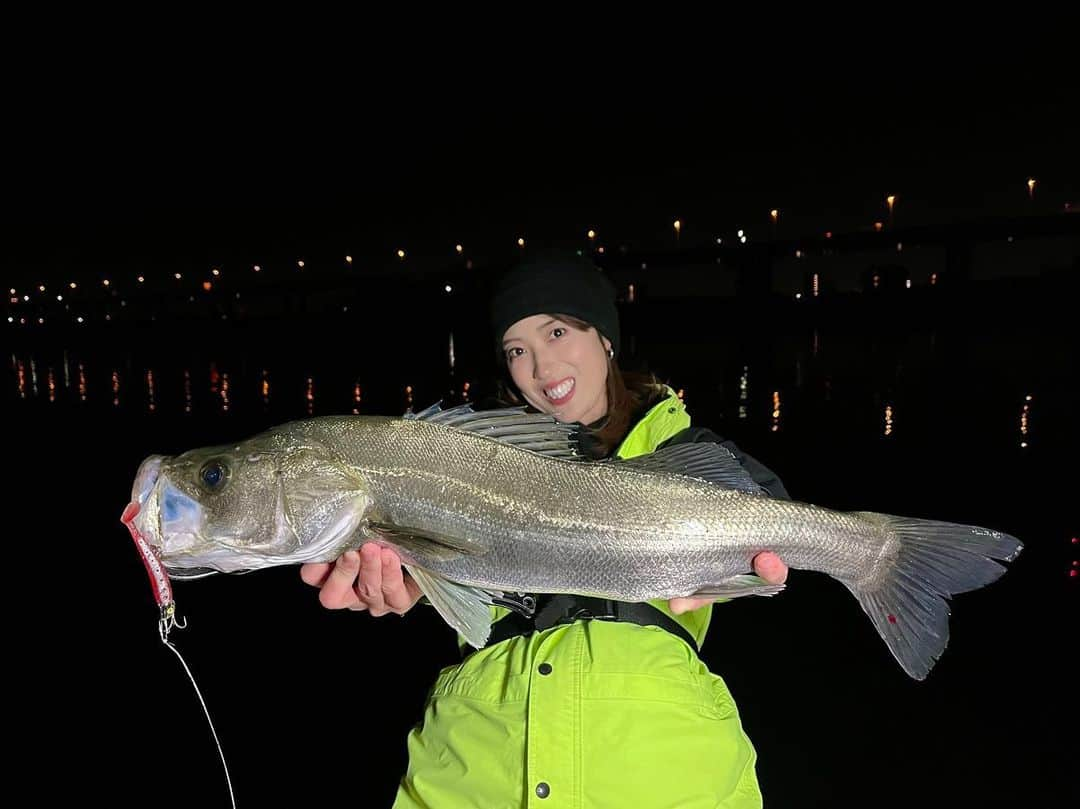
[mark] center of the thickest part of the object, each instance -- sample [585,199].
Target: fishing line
[163,632]
[167,620]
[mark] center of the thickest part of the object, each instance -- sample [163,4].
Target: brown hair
[627,394]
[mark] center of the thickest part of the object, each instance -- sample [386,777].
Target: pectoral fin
[419,544]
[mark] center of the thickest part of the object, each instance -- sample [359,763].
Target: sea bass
[485,506]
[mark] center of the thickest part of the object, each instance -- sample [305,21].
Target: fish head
[272,500]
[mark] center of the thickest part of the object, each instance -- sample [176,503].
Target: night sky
[206,171]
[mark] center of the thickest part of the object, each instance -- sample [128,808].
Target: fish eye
[213,475]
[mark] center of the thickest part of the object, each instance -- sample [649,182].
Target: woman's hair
[627,394]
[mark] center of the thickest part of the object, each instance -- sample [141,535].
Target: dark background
[189,172]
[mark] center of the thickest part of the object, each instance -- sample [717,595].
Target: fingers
[369,588]
[680,605]
[399,596]
[369,579]
[337,589]
[315,573]
[770,567]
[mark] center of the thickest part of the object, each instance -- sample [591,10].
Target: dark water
[970,422]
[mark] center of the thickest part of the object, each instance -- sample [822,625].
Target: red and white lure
[159,578]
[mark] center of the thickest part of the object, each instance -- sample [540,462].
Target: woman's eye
[510,354]
[558,331]
[213,475]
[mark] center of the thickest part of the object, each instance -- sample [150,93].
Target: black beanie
[555,283]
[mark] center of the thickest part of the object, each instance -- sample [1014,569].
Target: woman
[563,710]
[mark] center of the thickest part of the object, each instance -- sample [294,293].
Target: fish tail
[906,601]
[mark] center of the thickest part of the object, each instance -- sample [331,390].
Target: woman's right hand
[369,579]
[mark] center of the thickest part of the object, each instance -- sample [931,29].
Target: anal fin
[743,585]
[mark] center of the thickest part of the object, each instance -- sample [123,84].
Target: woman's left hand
[766,564]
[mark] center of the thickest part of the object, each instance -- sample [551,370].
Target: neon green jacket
[586,715]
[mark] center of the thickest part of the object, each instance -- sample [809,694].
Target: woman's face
[558,368]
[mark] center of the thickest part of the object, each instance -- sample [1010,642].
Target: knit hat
[555,283]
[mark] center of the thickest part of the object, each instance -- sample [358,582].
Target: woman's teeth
[560,391]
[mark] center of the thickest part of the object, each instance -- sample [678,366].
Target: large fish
[485,506]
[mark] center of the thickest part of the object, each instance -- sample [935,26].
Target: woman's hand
[369,579]
[766,564]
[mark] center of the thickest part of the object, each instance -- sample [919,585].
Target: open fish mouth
[179,515]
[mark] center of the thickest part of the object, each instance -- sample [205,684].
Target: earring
[611,353]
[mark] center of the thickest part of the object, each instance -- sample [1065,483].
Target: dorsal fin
[537,432]
[706,461]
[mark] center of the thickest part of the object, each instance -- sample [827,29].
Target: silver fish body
[484,504]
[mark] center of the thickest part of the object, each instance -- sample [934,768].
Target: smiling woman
[560,341]
[547,356]
[632,677]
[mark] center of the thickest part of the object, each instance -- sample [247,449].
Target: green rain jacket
[586,715]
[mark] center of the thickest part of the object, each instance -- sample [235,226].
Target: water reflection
[246,392]
[744,391]
[1025,412]
[150,403]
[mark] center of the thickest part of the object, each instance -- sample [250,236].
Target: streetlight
[678,232]
[891,202]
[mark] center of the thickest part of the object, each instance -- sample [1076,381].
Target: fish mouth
[146,478]
[164,518]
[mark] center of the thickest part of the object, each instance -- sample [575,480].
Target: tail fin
[936,560]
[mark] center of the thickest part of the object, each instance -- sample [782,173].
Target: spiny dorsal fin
[708,462]
[537,432]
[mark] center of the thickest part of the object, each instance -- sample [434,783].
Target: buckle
[521,603]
